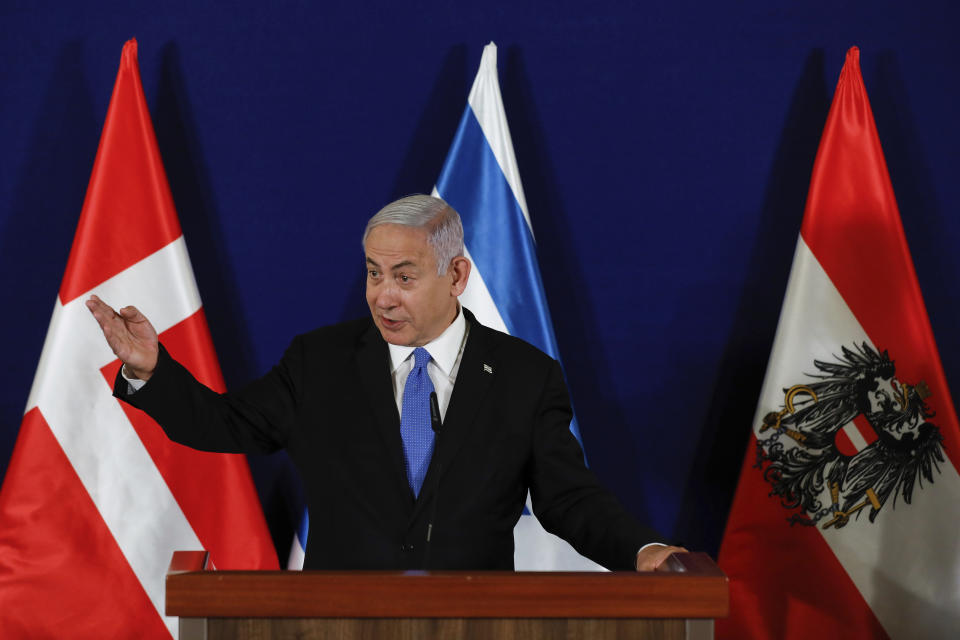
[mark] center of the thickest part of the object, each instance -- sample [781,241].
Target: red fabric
[862,426]
[852,225]
[61,572]
[128,181]
[785,581]
[844,444]
[867,432]
[212,489]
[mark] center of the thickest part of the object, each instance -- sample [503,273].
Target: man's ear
[460,270]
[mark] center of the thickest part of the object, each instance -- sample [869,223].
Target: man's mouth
[390,324]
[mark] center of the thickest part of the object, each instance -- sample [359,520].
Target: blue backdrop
[665,149]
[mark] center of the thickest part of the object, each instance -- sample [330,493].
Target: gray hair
[439,219]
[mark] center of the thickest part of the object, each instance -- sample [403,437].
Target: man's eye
[404,278]
[373,273]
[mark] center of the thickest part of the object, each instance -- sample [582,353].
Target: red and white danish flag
[844,524]
[96,499]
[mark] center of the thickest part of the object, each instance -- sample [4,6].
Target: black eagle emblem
[852,438]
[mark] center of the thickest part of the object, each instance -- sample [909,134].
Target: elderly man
[417,432]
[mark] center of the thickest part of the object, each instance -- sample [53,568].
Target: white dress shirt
[446,351]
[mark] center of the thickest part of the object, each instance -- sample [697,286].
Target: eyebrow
[405,263]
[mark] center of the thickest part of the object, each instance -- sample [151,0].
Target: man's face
[409,302]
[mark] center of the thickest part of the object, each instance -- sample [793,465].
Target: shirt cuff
[649,544]
[133,384]
[640,550]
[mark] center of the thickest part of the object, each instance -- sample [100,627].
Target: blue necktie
[415,427]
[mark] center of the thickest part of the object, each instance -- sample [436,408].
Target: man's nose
[387,296]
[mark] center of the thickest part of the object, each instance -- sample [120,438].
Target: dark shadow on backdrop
[611,454]
[424,158]
[200,219]
[920,209]
[724,437]
[44,211]
[434,131]
[202,225]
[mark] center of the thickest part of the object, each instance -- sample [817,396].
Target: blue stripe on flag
[496,234]
[304,528]
[498,237]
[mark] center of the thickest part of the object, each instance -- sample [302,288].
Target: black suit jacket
[330,402]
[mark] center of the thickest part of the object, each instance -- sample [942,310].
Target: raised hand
[130,335]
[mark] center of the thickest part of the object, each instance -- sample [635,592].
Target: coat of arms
[852,438]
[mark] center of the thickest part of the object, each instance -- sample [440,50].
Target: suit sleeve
[567,498]
[257,419]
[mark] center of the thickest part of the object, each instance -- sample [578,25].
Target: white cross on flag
[844,524]
[96,499]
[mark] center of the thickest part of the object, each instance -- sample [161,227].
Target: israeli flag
[481,181]
[298,548]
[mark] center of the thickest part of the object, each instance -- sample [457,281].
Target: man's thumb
[130,313]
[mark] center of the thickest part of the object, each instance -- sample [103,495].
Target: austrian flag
[96,499]
[844,524]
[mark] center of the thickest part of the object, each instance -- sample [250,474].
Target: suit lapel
[373,363]
[474,378]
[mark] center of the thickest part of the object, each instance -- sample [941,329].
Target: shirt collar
[443,349]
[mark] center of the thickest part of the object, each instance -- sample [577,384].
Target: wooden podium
[678,602]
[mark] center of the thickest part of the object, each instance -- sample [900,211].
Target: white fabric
[904,564]
[487,106]
[445,354]
[91,427]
